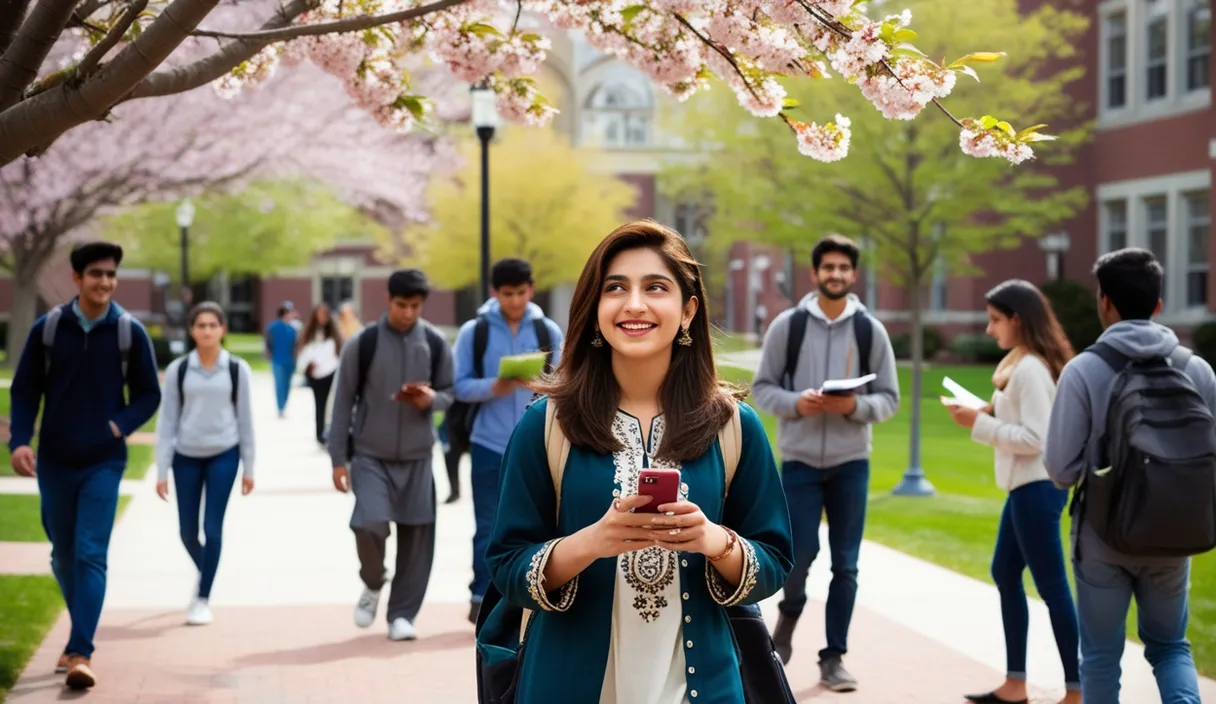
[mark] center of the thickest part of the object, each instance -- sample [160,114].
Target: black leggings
[320,393]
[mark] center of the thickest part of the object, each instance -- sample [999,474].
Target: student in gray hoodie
[388,467]
[1129,296]
[825,439]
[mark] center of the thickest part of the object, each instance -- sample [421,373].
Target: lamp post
[185,217]
[485,120]
[1055,245]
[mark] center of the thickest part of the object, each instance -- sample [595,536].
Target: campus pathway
[287,584]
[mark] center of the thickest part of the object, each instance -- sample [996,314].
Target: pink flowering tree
[297,125]
[908,191]
[130,50]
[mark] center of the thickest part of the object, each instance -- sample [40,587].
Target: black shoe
[474,609]
[452,498]
[783,636]
[992,698]
[833,676]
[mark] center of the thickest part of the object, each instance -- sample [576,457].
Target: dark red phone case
[661,484]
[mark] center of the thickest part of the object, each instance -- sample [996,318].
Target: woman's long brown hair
[1042,334]
[695,402]
[329,329]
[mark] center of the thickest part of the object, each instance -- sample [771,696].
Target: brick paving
[25,558]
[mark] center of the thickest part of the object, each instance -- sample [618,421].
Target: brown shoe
[61,667]
[80,675]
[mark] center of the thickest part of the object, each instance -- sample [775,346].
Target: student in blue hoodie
[281,351]
[1074,452]
[513,319]
[78,380]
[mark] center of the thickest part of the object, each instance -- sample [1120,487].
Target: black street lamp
[485,120]
[185,218]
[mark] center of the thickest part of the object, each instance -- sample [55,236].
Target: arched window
[618,115]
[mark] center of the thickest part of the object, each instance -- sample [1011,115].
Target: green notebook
[521,366]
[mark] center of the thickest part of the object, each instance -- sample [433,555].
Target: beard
[834,295]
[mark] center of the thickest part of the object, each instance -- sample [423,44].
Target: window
[939,288]
[1158,50]
[1198,45]
[1116,60]
[1198,224]
[1116,225]
[619,115]
[337,289]
[1157,231]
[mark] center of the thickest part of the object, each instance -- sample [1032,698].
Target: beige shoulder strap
[557,450]
[730,440]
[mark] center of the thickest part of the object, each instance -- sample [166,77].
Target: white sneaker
[199,613]
[365,610]
[401,629]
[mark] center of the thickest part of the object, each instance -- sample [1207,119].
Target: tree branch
[12,12]
[85,10]
[350,24]
[20,62]
[99,51]
[725,54]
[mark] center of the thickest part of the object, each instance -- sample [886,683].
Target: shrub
[1077,310]
[901,344]
[160,348]
[977,348]
[1205,342]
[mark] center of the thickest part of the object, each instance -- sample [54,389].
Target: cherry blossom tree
[297,125]
[128,49]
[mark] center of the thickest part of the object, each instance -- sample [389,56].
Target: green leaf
[631,12]
[1006,128]
[414,104]
[982,57]
[905,35]
[970,72]
[907,51]
[482,29]
[790,103]
[888,32]
[988,122]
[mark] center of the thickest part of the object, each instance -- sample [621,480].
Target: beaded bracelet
[731,539]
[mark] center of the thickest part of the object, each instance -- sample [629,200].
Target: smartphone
[661,484]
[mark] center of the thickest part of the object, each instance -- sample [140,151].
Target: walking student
[393,376]
[204,432]
[320,345]
[1021,321]
[1135,378]
[281,351]
[825,438]
[508,324]
[77,362]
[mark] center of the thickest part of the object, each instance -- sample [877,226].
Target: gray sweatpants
[415,554]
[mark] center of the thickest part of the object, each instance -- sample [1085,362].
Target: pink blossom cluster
[826,143]
[982,143]
[903,95]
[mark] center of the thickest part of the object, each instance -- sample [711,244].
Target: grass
[29,605]
[249,347]
[21,518]
[957,527]
[139,460]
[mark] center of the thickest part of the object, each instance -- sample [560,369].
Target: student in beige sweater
[1021,321]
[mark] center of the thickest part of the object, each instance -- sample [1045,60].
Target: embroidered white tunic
[645,657]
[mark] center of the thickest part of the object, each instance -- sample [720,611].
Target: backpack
[760,668]
[367,351]
[234,372]
[863,333]
[1156,496]
[460,416]
[51,325]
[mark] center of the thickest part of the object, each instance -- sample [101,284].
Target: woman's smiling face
[641,307]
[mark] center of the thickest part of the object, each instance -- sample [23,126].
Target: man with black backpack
[1132,429]
[392,377]
[825,437]
[488,408]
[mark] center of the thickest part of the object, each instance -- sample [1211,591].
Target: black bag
[863,335]
[1155,495]
[460,415]
[760,668]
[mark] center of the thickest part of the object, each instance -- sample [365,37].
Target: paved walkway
[287,584]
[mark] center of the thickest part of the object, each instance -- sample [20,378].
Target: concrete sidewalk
[287,584]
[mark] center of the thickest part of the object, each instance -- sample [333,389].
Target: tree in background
[267,225]
[546,205]
[138,50]
[195,143]
[907,190]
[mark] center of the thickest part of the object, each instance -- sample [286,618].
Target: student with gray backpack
[1132,429]
[204,433]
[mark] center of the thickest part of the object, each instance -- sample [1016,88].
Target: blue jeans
[1029,536]
[1104,592]
[487,465]
[192,476]
[282,382]
[841,492]
[78,508]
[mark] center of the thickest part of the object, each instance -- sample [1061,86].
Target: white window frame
[1105,226]
[1160,14]
[1189,8]
[1189,221]
[599,118]
[1137,106]
[1174,188]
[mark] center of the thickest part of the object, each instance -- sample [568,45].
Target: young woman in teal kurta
[629,607]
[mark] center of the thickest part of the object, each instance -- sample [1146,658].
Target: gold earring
[685,339]
[598,340]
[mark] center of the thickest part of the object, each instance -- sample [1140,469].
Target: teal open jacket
[568,639]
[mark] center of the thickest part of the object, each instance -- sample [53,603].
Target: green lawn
[29,605]
[139,460]
[21,519]
[957,528]
[249,347]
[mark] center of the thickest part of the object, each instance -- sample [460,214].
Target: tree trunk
[24,310]
[914,482]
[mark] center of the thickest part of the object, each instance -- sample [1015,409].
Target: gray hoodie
[1078,419]
[387,429]
[829,351]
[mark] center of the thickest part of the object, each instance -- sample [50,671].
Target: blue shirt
[281,342]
